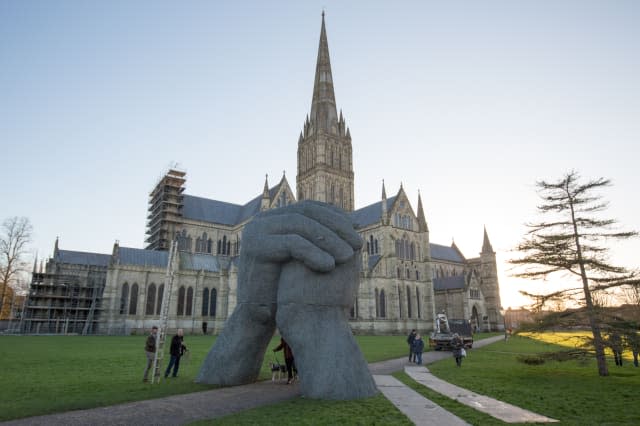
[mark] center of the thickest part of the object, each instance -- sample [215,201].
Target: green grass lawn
[570,391]
[47,374]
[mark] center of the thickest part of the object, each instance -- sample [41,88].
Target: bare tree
[15,236]
[572,243]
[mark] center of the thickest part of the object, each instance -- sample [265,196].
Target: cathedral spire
[323,105]
[385,215]
[266,198]
[486,244]
[422,221]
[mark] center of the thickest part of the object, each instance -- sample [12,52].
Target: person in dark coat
[150,352]
[410,340]
[615,343]
[456,346]
[418,348]
[288,358]
[176,350]
[633,342]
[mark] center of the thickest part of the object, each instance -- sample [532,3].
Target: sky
[468,102]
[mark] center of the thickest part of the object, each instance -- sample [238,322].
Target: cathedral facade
[405,279]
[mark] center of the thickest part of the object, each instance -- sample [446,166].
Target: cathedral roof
[370,214]
[199,261]
[82,258]
[159,259]
[221,212]
[449,283]
[445,253]
[142,257]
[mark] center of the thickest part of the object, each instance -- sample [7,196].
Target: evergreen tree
[572,241]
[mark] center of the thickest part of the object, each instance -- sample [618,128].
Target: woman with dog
[288,358]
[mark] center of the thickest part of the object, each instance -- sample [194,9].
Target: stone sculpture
[298,271]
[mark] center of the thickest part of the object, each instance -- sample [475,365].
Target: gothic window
[219,247]
[377,299]
[189,308]
[412,251]
[180,309]
[184,241]
[205,302]
[399,302]
[209,245]
[213,303]
[160,295]
[375,246]
[408,274]
[133,303]
[151,299]
[383,305]
[368,248]
[418,302]
[409,313]
[124,298]
[417,275]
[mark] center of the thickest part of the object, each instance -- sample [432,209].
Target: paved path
[181,409]
[420,410]
[500,410]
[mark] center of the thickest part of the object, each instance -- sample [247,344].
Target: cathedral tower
[325,159]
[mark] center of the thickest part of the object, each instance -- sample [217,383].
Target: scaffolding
[64,303]
[165,209]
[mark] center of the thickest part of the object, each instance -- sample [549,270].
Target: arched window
[417,275]
[224,245]
[124,298]
[370,246]
[205,302]
[399,302]
[383,305]
[409,313]
[412,251]
[151,299]
[180,310]
[189,309]
[214,302]
[133,302]
[375,246]
[160,295]
[418,302]
[377,299]
[408,274]
[209,245]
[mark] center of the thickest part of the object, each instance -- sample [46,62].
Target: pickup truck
[445,328]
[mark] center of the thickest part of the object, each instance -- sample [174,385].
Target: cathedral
[405,279]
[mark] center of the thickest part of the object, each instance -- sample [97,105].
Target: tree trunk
[594,321]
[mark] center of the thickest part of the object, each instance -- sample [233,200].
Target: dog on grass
[277,371]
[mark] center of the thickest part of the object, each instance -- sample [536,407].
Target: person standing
[615,343]
[176,350]
[150,351]
[418,348]
[457,345]
[288,358]
[410,339]
[633,342]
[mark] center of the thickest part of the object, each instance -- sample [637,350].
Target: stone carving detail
[298,272]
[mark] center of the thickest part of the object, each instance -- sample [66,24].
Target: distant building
[405,279]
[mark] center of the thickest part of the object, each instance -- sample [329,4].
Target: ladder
[161,336]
